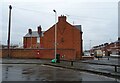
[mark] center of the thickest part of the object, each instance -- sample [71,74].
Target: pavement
[93,68]
[80,65]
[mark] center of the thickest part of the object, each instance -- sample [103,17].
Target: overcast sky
[99,18]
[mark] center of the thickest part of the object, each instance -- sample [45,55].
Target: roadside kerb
[85,70]
[115,65]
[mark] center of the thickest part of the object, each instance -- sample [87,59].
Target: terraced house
[69,39]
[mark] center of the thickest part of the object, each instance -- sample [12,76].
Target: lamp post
[55,33]
[9,25]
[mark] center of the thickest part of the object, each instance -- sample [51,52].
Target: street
[35,72]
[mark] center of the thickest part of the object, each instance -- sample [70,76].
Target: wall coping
[37,49]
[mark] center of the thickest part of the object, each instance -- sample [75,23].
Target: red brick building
[32,38]
[68,37]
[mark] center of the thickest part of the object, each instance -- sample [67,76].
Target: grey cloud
[97,19]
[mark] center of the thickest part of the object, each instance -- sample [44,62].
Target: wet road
[34,72]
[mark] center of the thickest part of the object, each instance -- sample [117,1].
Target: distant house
[68,37]
[108,49]
[115,50]
[32,38]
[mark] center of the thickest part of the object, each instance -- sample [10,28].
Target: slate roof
[34,34]
[78,27]
[118,41]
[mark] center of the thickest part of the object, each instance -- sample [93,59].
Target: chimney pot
[39,30]
[118,38]
[30,31]
[62,18]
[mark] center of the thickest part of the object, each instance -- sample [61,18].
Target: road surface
[35,72]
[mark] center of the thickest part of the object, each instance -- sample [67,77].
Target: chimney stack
[30,31]
[62,18]
[39,30]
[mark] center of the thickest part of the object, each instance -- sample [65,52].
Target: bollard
[115,68]
[71,63]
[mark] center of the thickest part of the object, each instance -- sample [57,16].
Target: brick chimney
[30,31]
[62,18]
[39,30]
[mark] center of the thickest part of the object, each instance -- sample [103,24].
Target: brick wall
[69,54]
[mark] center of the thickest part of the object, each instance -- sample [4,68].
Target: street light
[55,33]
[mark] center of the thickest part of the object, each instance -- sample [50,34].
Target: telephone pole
[9,25]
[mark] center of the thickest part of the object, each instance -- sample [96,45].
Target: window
[38,39]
